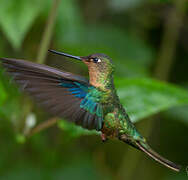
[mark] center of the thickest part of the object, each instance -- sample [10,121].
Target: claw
[103,137]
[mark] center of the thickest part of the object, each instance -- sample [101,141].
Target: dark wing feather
[61,93]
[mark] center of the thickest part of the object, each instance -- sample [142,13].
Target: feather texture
[61,93]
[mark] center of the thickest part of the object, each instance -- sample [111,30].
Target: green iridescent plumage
[93,105]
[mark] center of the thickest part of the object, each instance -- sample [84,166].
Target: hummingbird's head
[99,65]
[100,68]
[98,62]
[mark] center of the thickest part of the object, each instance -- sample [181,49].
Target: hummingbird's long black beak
[65,54]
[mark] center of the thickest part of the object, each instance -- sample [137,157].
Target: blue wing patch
[76,89]
[90,98]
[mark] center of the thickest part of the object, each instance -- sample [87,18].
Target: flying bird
[92,104]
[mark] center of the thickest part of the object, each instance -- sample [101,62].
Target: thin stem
[43,126]
[169,40]
[48,33]
[42,55]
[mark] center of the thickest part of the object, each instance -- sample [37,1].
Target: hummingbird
[91,103]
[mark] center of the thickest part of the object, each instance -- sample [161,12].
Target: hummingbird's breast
[100,77]
[116,120]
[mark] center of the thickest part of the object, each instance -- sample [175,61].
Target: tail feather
[158,158]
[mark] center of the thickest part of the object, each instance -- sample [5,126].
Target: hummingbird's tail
[157,157]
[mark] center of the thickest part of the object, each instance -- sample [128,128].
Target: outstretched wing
[61,93]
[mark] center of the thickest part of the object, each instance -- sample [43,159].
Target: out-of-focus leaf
[16,17]
[69,18]
[20,138]
[3,94]
[162,1]
[119,5]
[24,172]
[80,168]
[75,131]
[180,176]
[71,170]
[180,113]
[144,97]
[12,107]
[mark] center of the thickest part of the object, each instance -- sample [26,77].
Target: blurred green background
[148,42]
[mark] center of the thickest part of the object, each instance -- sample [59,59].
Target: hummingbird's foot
[103,137]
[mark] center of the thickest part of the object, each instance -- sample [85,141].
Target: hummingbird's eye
[96,60]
